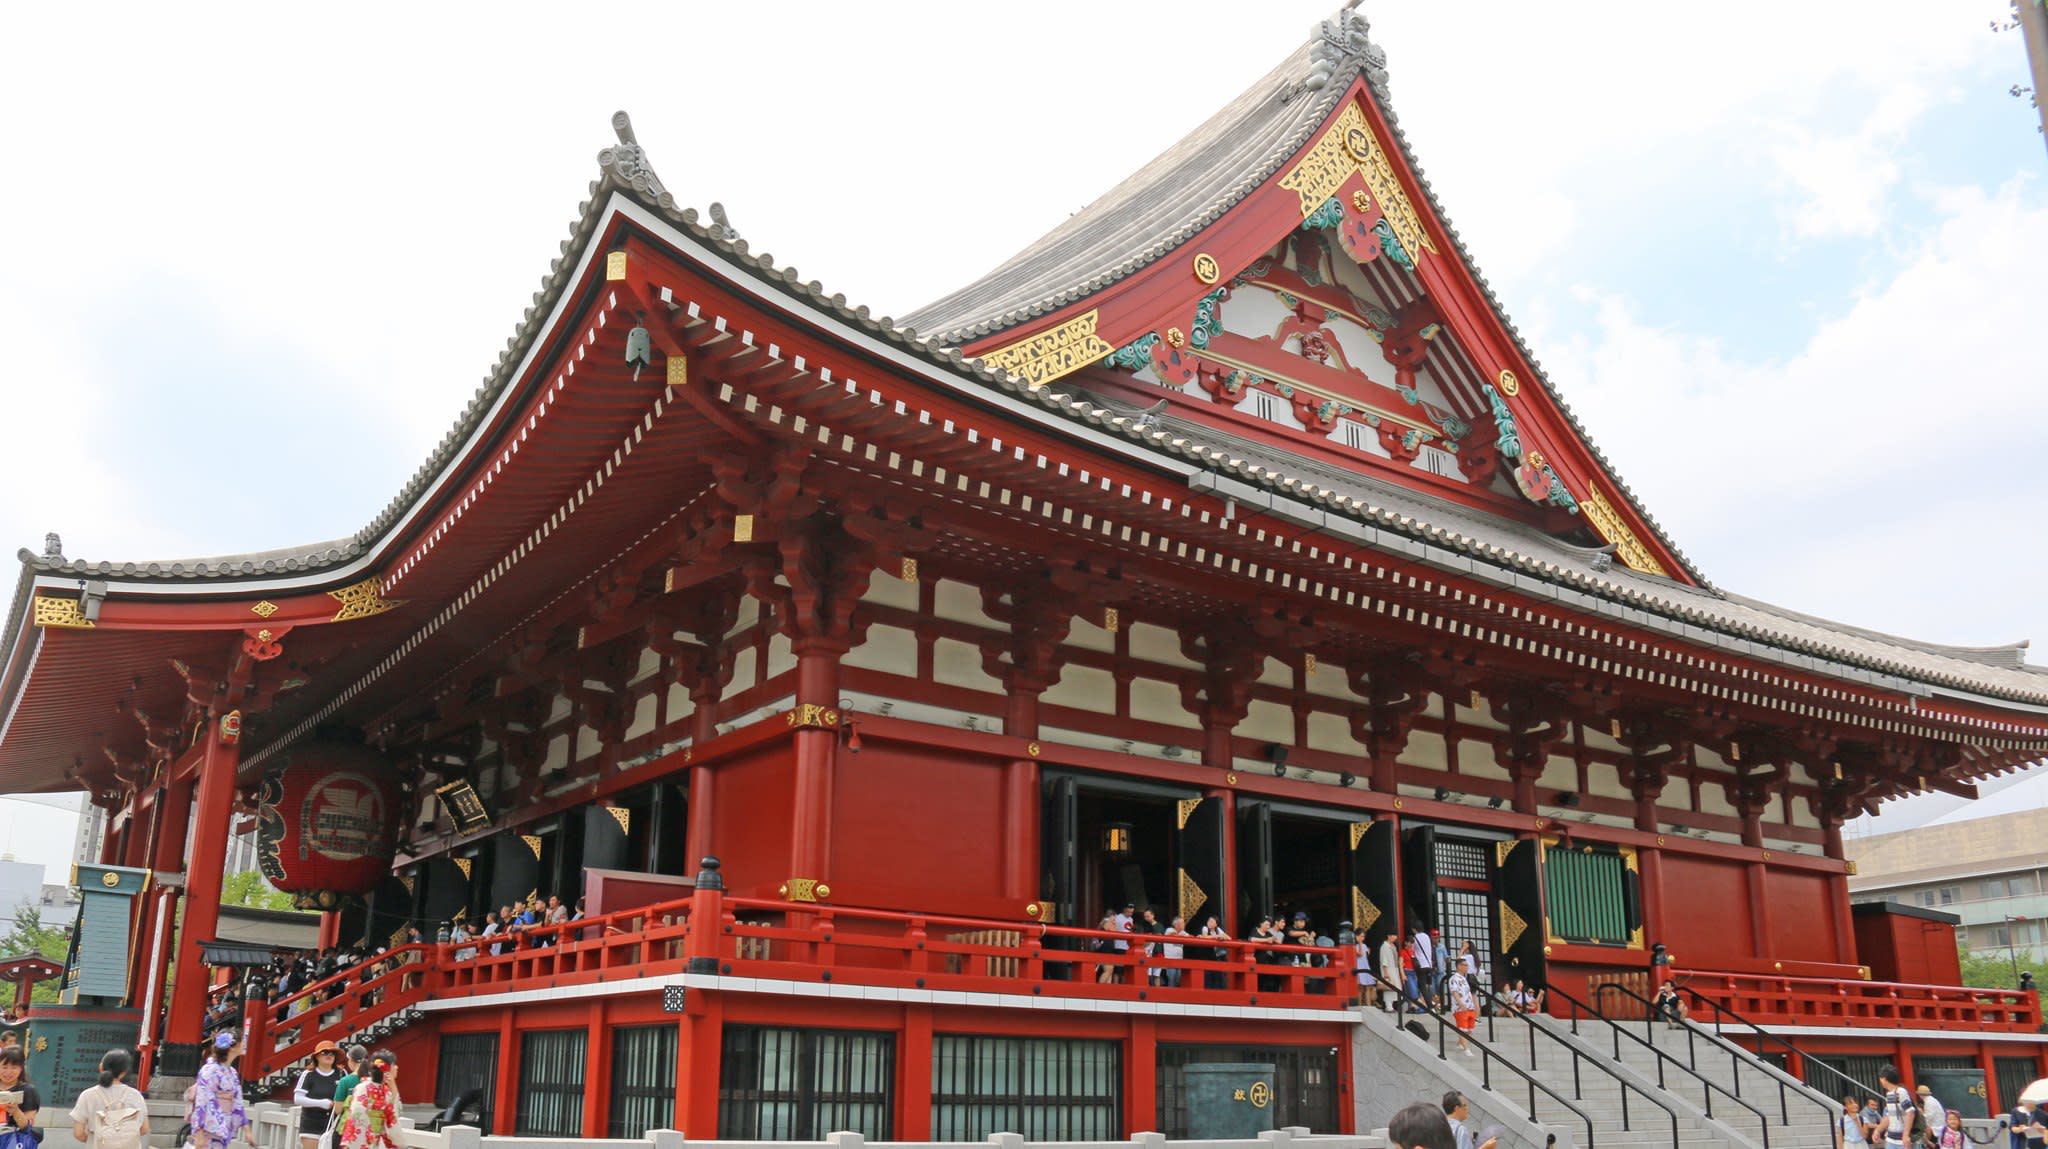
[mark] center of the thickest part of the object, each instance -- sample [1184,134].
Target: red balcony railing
[1773,1000]
[760,938]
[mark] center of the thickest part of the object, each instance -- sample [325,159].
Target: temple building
[1225,553]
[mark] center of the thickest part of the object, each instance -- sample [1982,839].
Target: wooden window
[1045,1089]
[643,1080]
[800,1084]
[551,1069]
[468,1063]
[1587,896]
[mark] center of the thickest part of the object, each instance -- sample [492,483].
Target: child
[1464,1007]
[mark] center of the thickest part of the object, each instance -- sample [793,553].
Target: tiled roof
[1170,200]
[1379,505]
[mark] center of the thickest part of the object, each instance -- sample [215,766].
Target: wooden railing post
[707,913]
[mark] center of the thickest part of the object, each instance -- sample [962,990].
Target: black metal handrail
[1764,1035]
[1500,1008]
[1707,1087]
[1736,1055]
[1486,1059]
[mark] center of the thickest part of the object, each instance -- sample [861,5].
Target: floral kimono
[372,1121]
[217,1108]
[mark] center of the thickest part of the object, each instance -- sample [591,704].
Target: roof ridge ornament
[627,163]
[1342,44]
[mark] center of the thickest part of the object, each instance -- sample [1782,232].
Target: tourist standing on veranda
[372,1121]
[111,1115]
[314,1093]
[218,1113]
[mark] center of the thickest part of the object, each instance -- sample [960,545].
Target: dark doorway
[1309,859]
[1111,843]
[1125,853]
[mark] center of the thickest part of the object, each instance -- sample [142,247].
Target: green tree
[1993,969]
[31,936]
[248,888]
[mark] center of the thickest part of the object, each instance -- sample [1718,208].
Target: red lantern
[327,822]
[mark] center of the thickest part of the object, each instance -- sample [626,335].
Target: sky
[1776,256]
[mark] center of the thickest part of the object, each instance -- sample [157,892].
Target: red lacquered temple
[1224,552]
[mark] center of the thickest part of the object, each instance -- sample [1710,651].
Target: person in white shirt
[111,1111]
[1932,1112]
[1173,951]
[1424,956]
[1899,1113]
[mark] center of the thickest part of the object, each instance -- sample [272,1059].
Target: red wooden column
[700,1037]
[1027,664]
[597,1060]
[505,1118]
[1646,778]
[214,808]
[1225,902]
[1141,1076]
[914,1075]
[1838,890]
[816,719]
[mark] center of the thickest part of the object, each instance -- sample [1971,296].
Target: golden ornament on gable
[1207,270]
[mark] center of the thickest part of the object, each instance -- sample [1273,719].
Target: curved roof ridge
[1172,197]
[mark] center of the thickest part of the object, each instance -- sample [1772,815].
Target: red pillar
[1020,803]
[214,809]
[703,785]
[1141,1077]
[597,1059]
[1759,913]
[914,1075]
[698,1048]
[330,929]
[1224,905]
[816,752]
[505,1121]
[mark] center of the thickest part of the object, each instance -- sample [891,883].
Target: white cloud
[1890,459]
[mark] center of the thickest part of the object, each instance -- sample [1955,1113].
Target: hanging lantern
[1116,839]
[327,822]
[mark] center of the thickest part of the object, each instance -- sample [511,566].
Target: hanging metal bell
[639,350]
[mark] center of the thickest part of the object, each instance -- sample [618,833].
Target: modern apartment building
[1986,863]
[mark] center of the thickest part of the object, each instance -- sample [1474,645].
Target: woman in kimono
[372,1118]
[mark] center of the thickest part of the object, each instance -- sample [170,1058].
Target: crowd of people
[505,928]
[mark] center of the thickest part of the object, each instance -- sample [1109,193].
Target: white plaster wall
[888,590]
[890,648]
[1713,798]
[588,743]
[1276,673]
[644,710]
[1268,722]
[1158,644]
[1475,758]
[1088,634]
[650,665]
[1156,701]
[745,662]
[1332,732]
[781,655]
[959,602]
[557,755]
[955,663]
[1083,688]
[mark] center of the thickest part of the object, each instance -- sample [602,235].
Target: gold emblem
[1176,337]
[1361,202]
[678,371]
[1192,896]
[1187,808]
[1031,748]
[464,864]
[1600,515]
[1358,830]
[1308,665]
[62,613]
[908,570]
[1039,359]
[743,528]
[362,600]
[804,890]
[1502,851]
[1512,926]
[615,265]
[110,879]
[1261,1095]
[1363,913]
[1109,619]
[1230,777]
[1206,269]
[532,843]
[622,816]
[811,716]
[1508,384]
[1346,148]
[264,609]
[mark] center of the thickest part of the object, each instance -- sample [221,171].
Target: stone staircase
[1617,1101]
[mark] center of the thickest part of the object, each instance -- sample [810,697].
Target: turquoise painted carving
[1411,440]
[1331,214]
[1392,246]
[1558,495]
[1208,319]
[1135,355]
[1509,441]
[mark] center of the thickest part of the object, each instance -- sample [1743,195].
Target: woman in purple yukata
[218,1114]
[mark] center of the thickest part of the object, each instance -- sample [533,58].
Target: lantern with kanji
[327,822]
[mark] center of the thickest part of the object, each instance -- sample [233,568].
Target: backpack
[117,1127]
